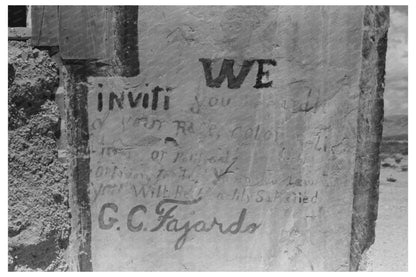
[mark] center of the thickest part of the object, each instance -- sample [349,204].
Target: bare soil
[390,249]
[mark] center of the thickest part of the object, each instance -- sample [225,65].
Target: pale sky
[395,93]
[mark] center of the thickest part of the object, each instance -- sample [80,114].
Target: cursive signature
[167,221]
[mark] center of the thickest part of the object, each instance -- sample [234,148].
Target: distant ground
[390,249]
[394,135]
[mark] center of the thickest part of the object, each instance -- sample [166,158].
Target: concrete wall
[239,144]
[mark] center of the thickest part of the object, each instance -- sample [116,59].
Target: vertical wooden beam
[83,32]
[79,170]
[369,131]
[126,43]
[44,21]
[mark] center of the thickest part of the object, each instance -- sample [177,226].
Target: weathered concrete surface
[251,171]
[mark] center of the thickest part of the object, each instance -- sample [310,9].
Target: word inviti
[145,100]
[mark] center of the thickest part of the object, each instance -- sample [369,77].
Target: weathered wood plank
[44,25]
[84,32]
[369,132]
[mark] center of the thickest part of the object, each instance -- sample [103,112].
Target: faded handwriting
[256,133]
[210,102]
[176,128]
[151,190]
[262,195]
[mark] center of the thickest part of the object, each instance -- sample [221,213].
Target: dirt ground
[390,249]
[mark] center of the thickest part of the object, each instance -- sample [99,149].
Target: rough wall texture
[39,223]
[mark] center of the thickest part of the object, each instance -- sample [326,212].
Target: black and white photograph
[219,137]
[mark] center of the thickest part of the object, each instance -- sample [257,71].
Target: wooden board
[45,25]
[85,32]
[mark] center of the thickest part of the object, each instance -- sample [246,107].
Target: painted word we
[227,71]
